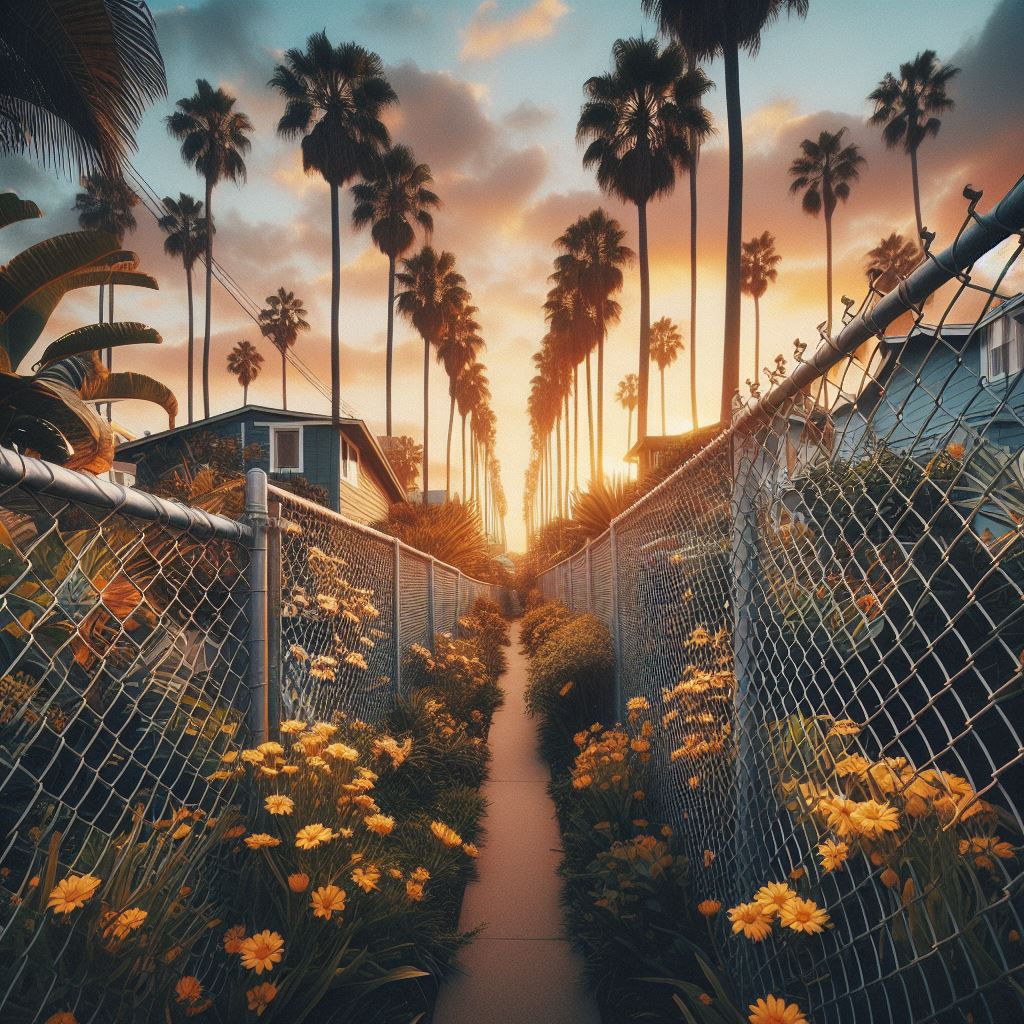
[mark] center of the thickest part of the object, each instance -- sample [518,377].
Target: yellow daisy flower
[278,804]
[366,878]
[260,997]
[773,1010]
[309,837]
[803,916]
[380,823]
[260,841]
[327,900]
[188,989]
[751,920]
[774,896]
[72,892]
[261,951]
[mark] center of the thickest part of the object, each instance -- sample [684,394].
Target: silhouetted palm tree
[824,173]
[245,363]
[213,137]
[707,29]
[404,455]
[394,201]
[281,320]
[627,396]
[186,229]
[76,80]
[666,344]
[758,263]
[891,261]
[433,294]
[458,348]
[471,391]
[334,97]
[908,107]
[636,120]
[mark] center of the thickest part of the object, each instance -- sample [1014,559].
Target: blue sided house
[347,461]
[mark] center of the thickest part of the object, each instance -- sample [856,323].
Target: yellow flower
[833,854]
[260,840]
[445,834]
[421,874]
[292,725]
[234,832]
[803,916]
[128,921]
[709,858]
[188,989]
[277,804]
[341,752]
[414,890]
[309,837]
[751,920]
[233,939]
[271,749]
[252,756]
[637,704]
[289,769]
[380,823]
[327,900]
[955,450]
[844,727]
[181,831]
[262,951]
[709,907]
[470,850]
[72,893]
[839,813]
[260,997]
[298,882]
[853,764]
[62,1017]
[871,818]
[366,878]
[774,896]
[773,1010]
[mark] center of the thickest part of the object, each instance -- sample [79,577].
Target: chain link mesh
[825,608]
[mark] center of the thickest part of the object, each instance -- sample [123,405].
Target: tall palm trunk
[590,421]
[645,326]
[110,351]
[576,427]
[757,338]
[426,418]
[734,231]
[245,394]
[828,271]
[917,191]
[693,285]
[391,344]
[448,449]
[661,370]
[463,491]
[600,401]
[284,378]
[558,456]
[567,424]
[209,299]
[629,430]
[335,309]
[191,340]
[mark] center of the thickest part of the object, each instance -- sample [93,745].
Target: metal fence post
[430,604]
[275,632]
[616,630]
[256,516]
[396,615]
[590,579]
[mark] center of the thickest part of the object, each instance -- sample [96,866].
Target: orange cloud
[489,34]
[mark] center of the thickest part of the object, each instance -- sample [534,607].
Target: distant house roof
[369,448]
[692,442]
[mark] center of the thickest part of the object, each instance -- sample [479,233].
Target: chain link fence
[824,608]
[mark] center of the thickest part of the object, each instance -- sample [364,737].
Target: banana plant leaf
[95,337]
[13,208]
[119,387]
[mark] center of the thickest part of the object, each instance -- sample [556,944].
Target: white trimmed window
[286,449]
[1005,347]
[349,462]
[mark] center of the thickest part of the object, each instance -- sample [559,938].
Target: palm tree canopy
[245,362]
[825,171]
[666,342]
[628,392]
[758,263]
[334,98]
[282,319]
[185,227]
[106,205]
[639,119]
[891,261]
[705,27]
[213,135]
[434,292]
[460,342]
[595,256]
[405,456]
[908,107]
[75,80]
[394,200]
[471,388]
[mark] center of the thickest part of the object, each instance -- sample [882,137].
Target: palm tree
[908,107]
[404,455]
[458,348]
[891,261]
[666,344]
[334,97]
[636,119]
[77,78]
[758,263]
[281,321]
[186,229]
[213,137]
[471,391]
[245,363]
[627,396]
[393,201]
[824,172]
[592,260]
[433,294]
[706,29]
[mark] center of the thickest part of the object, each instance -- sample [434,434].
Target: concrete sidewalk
[521,969]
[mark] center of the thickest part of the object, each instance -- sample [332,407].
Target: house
[346,462]
[958,383]
[656,450]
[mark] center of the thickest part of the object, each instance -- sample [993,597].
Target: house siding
[366,503]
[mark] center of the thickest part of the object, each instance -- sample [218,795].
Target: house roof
[355,429]
[695,439]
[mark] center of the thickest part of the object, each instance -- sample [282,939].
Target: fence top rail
[40,477]
[981,233]
[287,498]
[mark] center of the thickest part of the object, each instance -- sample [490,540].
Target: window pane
[287,449]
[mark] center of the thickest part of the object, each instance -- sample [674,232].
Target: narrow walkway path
[521,969]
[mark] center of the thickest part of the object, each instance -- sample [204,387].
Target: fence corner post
[590,579]
[616,630]
[430,604]
[275,632]
[396,617]
[257,517]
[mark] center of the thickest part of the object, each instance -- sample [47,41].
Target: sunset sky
[489,96]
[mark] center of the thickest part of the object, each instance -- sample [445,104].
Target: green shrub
[539,622]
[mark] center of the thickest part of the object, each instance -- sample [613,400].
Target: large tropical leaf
[13,208]
[119,387]
[95,337]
